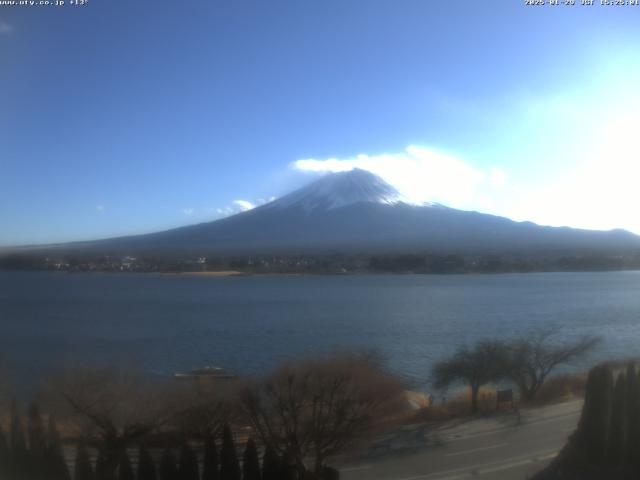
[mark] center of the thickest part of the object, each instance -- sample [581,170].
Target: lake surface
[169,323]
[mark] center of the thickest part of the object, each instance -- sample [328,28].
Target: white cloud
[5,28]
[244,205]
[188,211]
[422,175]
[239,206]
[225,211]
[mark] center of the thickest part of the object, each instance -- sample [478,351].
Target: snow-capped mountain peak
[336,190]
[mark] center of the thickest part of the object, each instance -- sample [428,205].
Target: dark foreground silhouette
[606,444]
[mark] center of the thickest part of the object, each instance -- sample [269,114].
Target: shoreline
[221,273]
[238,273]
[231,273]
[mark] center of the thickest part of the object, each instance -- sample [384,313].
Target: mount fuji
[358,212]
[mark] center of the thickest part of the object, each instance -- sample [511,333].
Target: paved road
[500,453]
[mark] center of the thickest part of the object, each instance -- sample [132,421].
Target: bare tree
[316,409]
[206,406]
[114,405]
[533,358]
[477,366]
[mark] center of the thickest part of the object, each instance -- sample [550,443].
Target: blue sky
[125,117]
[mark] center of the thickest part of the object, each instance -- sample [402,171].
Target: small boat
[214,373]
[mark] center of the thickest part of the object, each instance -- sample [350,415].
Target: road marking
[502,429]
[354,469]
[515,464]
[481,469]
[473,450]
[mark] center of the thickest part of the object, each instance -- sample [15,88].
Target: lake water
[170,323]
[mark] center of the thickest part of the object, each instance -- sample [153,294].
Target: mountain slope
[357,212]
